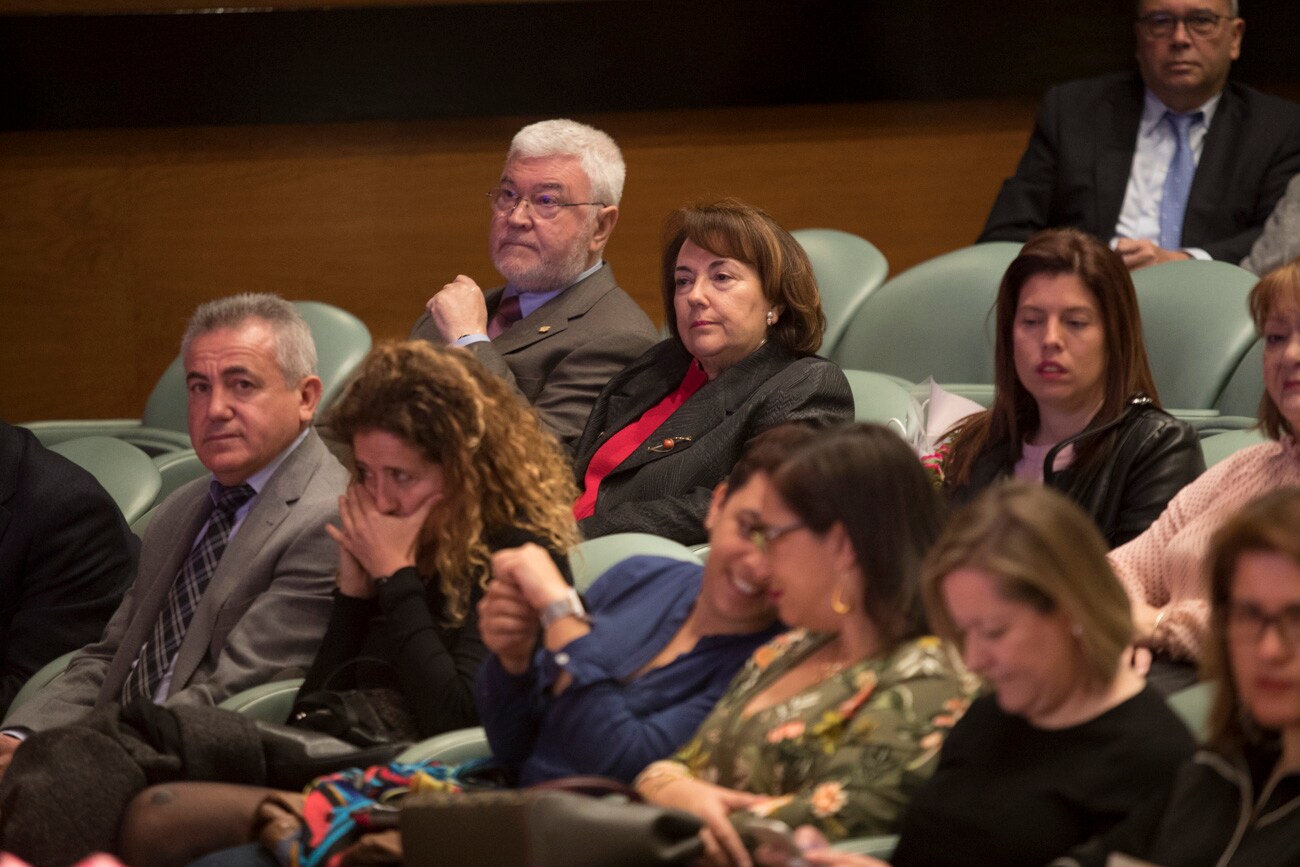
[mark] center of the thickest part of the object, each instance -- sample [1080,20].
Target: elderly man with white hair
[561,326]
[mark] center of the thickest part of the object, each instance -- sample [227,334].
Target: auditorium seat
[1220,445]
[1198,329]
[931,320]
[884,400]
[848,268]
[590,559]
[127,473]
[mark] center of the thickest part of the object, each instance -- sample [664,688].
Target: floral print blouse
[847,753]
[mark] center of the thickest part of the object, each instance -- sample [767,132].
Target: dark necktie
[1178,180]
[508,313]
[169,630]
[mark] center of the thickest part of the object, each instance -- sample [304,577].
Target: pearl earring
[770,318]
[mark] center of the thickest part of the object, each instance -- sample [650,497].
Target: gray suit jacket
[1076,167]
[264,611]
[561,355]
[1280,241]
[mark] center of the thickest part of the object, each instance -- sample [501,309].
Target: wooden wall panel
[109,238]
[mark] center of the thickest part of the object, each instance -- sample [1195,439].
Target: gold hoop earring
[839,604]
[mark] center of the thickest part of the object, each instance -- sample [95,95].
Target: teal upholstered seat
[931,320]
[1198,330]
[127,473]
[848,268]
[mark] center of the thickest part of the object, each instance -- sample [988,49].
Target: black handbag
[296,756]
[366,717]
[541,828]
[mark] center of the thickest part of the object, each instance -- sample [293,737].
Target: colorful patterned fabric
[337,809]
[847,753]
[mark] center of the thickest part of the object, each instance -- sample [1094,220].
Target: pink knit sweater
[1165,565]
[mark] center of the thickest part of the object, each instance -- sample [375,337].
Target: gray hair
[295,351]
[597,153]
[1234,9]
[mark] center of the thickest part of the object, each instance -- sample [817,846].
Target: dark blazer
[66,558]
[1151,457]
[1076,167]
[666,491]
[264,610]
[561,355]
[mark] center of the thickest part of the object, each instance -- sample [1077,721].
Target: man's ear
[605,222]
[715,505]
[309,392]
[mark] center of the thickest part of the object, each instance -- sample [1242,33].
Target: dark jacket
[1152,456]
[1075,170]
[665,489]
[1220,811]
[66,558]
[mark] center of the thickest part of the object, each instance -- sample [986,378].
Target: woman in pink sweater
[1162,569]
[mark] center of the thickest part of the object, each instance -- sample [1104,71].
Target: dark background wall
[152,158]
[409,62]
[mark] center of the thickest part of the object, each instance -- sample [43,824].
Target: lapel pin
[543,329]
[668,444]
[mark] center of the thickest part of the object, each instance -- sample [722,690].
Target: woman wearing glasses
[1067,741]
[1237,802]
[746,319]
[837,722]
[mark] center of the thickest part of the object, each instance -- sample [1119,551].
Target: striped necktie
[169,630]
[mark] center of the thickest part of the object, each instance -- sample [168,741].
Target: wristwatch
[568,606]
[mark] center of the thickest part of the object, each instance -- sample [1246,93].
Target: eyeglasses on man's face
[545,205]
[1247,624]
[1161,25]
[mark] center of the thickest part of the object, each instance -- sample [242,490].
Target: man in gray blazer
[561,326]
[259,604]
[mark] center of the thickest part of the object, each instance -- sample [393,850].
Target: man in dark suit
[561,326]
[1174,163]
[66,557]
[236,571]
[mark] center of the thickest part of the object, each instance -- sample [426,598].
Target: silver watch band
[569,606]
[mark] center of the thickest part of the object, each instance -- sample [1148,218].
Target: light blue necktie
[1178,181]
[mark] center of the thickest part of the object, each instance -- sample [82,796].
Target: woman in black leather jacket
[1075,406]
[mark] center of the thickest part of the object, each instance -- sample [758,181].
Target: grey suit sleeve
[570,389]
[1280,241]
[1024,203]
